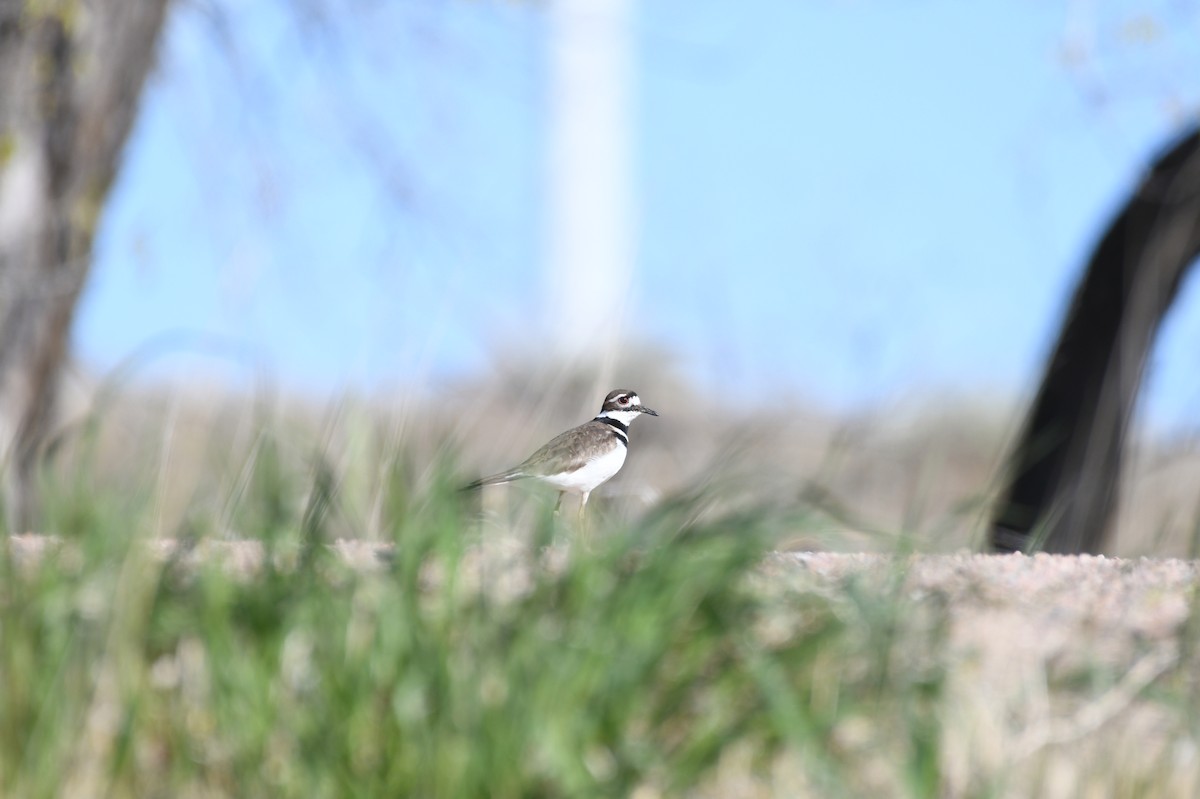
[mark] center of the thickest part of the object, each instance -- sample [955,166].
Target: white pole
[590,239]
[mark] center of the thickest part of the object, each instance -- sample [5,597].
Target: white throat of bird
[624,417]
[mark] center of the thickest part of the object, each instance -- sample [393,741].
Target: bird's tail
[495,479]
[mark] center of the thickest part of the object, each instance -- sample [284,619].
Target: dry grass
[915,475]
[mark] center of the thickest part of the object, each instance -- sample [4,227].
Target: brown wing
[569,451]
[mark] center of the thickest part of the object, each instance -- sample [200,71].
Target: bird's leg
[584,527]
[558,504]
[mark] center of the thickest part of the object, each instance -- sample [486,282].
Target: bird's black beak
[647,411]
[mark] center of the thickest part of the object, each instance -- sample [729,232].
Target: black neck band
[617,423]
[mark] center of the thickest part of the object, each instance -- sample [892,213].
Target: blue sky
[846,201]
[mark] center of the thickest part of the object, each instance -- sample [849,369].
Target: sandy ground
[1067,675]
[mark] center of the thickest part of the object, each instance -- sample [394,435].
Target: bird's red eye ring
[624,400]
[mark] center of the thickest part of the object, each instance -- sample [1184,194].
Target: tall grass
[195,629]
[650,657]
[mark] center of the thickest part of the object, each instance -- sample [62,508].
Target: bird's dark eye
[623,400]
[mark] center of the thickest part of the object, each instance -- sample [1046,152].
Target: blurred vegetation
[199,624]
[470,658]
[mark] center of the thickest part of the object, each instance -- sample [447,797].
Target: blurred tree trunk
[71,72]
[1063,473]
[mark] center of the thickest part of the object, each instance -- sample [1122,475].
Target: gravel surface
[1044,598]
[1067,675]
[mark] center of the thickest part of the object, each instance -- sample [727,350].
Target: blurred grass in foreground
[655,658]
[504,653]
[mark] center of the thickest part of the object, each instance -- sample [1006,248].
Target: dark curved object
[1062,476]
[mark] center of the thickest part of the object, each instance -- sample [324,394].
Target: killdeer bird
[582,458]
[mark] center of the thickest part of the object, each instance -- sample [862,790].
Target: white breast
[595,472]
